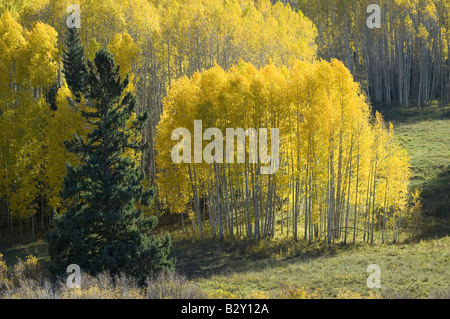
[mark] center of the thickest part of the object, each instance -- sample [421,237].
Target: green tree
[73,61]
[104,228]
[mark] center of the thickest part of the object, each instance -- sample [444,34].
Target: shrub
[30,269]
[4,281]
[294,291]
[348,295]
[104,286]
[221,294]
[30,289]
[257,295]
[172,286]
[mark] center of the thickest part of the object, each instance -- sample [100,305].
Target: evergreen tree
[103,228]
[73,62]
[51,96]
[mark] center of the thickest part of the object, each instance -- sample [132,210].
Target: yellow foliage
[11,42]
[30,60]
[38,62]
[220,294]
[125,52]
[97,292]
[294,291]
[28,269]
[348,294]
[258,295]
[324,121]
[3,273]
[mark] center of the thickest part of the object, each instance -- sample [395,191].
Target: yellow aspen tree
[125,51]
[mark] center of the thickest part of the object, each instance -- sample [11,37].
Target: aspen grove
[342,174]
[154,42]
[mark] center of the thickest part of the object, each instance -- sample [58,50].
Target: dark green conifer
[103,228]
[74,68]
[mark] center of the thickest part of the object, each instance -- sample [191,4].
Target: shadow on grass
[412,114]
[431,228]
[436,195]
[13,247]
[207,257]
[428,161]
[435,219]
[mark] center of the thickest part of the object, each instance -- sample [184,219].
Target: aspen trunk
[349,173]
[297,186]
[331,201]
[247,198]
[356,197]
[219,213]
[373,204]
[196,199]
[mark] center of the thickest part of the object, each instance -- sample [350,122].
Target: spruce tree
[103,228]
[74,67]
[51,96]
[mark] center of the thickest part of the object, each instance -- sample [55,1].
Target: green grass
[271,268]
[425,134]
[417,270]
[428,145]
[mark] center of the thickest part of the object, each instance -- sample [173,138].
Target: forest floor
[408,270]
[417,267]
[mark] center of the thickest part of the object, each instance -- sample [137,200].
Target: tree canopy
[339,166]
